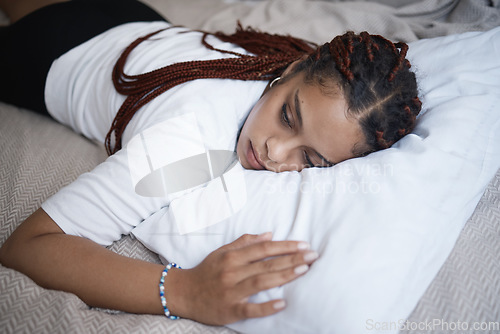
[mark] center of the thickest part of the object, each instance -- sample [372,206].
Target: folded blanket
[320,21]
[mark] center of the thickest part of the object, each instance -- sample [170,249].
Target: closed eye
[286,120]
[284,116]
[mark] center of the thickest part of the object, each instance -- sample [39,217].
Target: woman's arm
[214,292]
[55,260]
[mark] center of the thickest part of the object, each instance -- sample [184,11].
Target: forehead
[327,126]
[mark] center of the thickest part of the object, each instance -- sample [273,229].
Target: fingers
[293,261]
[251,310]
[246,266]
[246,240]
[264,281]
[264,249]
[272,262]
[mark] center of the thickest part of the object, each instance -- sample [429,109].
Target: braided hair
[375,79]
[372,72]
[271,54]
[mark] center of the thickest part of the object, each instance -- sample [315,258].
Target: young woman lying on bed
[344,99]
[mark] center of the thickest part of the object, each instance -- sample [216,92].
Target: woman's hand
[216,291]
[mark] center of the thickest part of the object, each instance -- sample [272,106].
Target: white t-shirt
[103,205]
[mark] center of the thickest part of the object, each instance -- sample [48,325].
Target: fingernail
[301,269]
[310,256]
[303,245]
[279,305]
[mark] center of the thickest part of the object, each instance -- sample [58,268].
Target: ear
[292,66]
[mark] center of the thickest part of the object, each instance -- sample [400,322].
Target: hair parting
[375,79]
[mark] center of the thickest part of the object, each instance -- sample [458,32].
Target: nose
[279,149]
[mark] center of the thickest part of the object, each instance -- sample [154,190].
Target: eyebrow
[299,116]
[297,107]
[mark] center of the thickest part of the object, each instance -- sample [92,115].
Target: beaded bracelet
[162,291]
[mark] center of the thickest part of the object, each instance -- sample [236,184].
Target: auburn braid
[375,79]
[271,54]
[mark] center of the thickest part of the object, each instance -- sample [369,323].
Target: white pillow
[383,224]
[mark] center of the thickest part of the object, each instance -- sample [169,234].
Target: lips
[252,158]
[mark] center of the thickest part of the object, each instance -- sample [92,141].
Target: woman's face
[295,126]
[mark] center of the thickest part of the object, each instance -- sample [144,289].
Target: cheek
[256,119]
[247,129]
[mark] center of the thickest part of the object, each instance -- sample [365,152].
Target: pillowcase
[383,224]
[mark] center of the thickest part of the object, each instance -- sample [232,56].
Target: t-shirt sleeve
[102,205]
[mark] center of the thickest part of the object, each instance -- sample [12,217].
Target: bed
[39,156]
